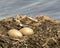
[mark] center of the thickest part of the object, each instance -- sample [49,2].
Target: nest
[46,32]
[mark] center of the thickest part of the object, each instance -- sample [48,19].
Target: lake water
[30,7]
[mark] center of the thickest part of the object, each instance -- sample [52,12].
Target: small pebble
[46,18]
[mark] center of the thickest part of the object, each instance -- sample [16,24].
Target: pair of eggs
[19,33]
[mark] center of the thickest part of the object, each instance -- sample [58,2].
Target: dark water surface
[30,7]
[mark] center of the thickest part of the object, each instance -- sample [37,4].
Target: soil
[46,32]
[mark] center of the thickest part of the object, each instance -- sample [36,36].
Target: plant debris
[46,32]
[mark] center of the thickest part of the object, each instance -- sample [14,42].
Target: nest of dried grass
[47,32]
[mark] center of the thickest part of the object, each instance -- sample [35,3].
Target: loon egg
[26,31]
[14,33]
